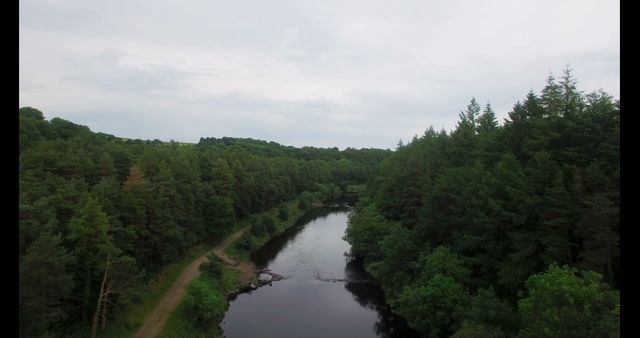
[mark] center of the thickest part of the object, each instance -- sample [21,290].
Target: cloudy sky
[321,73]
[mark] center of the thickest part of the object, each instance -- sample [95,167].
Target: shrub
[269,224]
[204,303]
[565,302]
[283,212]
[213,268]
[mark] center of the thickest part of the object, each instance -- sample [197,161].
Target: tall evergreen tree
[45,283]
[92,242]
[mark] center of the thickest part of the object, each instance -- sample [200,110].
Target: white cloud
[331,73]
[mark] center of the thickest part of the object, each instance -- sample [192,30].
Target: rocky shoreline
[257,282]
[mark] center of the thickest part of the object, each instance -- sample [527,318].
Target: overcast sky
[322,73]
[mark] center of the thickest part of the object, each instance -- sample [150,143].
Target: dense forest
[490,230]
[502,230]
[99,214]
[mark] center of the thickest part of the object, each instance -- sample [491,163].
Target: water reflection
[368,294]
[267,253]
[311,302]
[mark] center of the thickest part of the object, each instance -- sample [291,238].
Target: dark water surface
[326,293]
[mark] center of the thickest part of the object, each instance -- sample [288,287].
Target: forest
[490,230]
[99,215]
[502,230]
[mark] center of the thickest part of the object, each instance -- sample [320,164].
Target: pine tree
[557,220]
[551,98]
[45,283]
[571,99]
[596,229]
[89,232]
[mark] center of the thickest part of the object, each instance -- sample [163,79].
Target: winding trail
[173,297]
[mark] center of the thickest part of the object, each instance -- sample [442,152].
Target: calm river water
[325,293]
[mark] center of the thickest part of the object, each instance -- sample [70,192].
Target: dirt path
[173,297]
[247,268]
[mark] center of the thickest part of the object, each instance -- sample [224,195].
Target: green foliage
[305,200]
[283,212]
[445,262]
[181,323]
[147,202]
[436,301]
[205,303]
[45,283]
[435,308]
[488,312]
[262,226]
[30,113]
[258,229]
[125,280]
[499,203]
[565,302]
[557,222]
[127,321]
[479,331]
[400,253]
[269,223]
[599,226]
[30,123]
[246,242]
[88,230]
[366,229]
[213,268]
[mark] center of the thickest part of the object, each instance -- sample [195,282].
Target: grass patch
[181,324]
[129,320]
[238,252]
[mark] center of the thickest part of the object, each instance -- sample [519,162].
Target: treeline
[503,230]
[99,215]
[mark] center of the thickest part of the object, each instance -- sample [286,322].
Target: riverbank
[324,293]
[128,321]
[155,322]
[238,274]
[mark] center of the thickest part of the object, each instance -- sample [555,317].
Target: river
[325,293]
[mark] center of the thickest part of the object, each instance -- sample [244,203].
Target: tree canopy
[94,207]
[488,208]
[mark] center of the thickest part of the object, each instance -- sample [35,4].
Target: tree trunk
[86,295]
[105,304]
[94,325]
[610,265]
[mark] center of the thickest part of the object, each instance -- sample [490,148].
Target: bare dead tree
[94,324]
[119,276]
